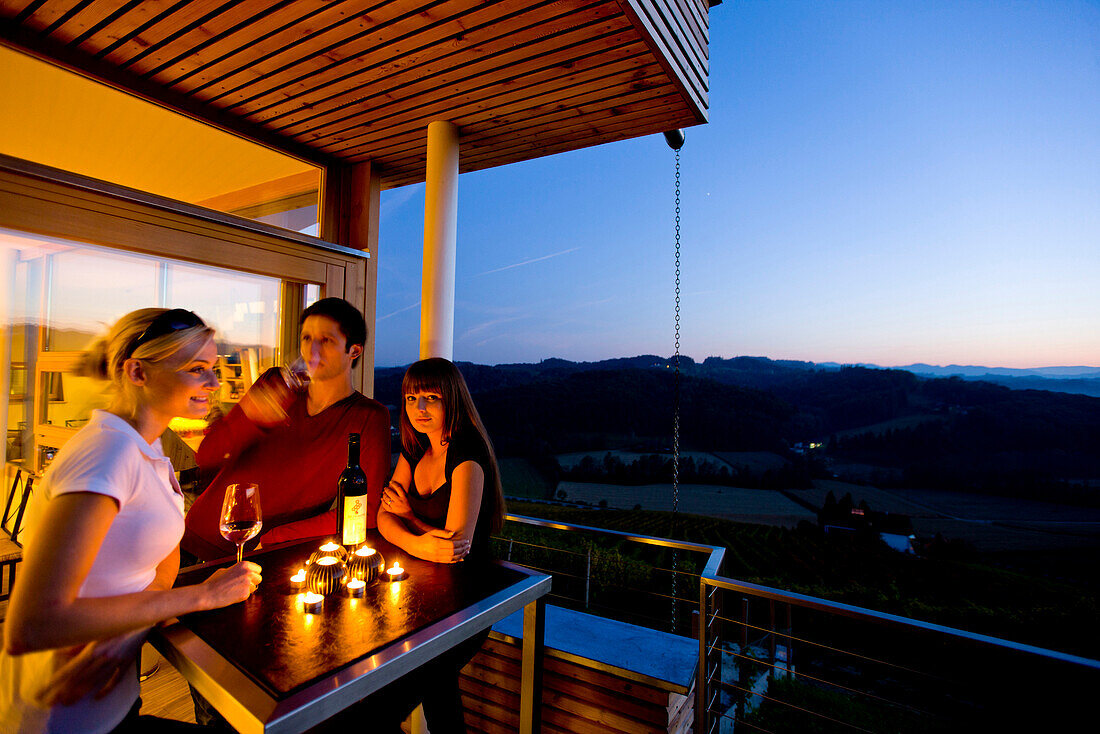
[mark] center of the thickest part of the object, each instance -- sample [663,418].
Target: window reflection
[59,295]
[78,307]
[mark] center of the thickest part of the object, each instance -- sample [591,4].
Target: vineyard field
[766,507]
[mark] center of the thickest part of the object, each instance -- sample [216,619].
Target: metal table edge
[317,702]
[249,707]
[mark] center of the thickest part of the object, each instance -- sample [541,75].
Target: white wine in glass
[241,516]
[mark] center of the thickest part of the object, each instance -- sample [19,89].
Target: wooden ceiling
[358,80]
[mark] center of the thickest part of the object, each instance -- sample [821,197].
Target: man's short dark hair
[351,322]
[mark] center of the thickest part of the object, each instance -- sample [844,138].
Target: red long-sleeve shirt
[296,466]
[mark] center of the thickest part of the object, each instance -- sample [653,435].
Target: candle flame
[299,577]
[364,552]
[327,561]
[396,569]
[329,547]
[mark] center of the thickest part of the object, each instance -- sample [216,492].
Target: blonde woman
[103,535]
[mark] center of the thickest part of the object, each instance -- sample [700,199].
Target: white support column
[437,295]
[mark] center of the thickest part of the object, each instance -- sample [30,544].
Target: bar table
[268,666]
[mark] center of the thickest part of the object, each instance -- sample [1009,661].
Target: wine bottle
[352,492]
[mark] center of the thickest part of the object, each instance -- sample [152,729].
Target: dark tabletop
[271,640]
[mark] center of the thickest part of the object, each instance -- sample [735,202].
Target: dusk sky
[884,182]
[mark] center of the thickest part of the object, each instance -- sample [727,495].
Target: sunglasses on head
[172,320]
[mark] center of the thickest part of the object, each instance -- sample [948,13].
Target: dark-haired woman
[103,535]
[441,505]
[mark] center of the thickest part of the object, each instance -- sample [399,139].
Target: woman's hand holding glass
[230,585]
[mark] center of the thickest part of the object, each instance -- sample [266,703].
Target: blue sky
[886,182]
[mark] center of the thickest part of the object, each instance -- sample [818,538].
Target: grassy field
[757,462]
[908,421]
[568,461]
[762,506]
[988,523]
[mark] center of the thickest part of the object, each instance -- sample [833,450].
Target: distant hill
[942,432]
[1080,380]
[975,371]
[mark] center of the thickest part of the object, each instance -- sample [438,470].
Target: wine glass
[241,516]
[296,375]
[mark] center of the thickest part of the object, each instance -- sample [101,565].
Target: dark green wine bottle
[352,492]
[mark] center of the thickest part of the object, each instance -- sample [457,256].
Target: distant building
[842,518]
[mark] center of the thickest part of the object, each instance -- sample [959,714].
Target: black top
[432,508]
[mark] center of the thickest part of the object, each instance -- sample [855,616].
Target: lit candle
[364,552]
[356,588]
[312,603]
[299,578]
[329,549]
[395,573]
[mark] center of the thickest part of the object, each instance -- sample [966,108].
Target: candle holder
[365,564]
[395,573]
[328,549]
[356,588]
[312,603]
[325,575]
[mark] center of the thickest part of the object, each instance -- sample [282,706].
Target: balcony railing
[776,661]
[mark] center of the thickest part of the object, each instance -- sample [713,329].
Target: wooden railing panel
[576,698]
[681,48]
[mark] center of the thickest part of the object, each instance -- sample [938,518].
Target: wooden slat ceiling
[360,80]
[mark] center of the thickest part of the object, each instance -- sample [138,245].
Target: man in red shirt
[294,445]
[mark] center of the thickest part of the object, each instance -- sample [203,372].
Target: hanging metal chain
[676,403]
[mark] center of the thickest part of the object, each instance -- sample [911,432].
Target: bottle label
[355,520]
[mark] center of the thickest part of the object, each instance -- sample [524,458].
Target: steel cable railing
[885,672]
[857,667]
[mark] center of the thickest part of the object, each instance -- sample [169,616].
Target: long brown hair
[460,418]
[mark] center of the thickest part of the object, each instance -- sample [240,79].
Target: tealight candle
[325,575]
[312,603]
[356,588]
[365,564]
[395,572]
[299,578]
[332,549]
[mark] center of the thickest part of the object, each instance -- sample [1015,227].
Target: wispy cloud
[589,304]
[393,203]
[483,326]
[400,310]
[529,262]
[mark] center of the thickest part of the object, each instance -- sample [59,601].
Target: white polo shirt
[108,456]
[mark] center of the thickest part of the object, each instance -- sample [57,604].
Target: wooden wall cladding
[576,699]
[358,80]
[678,32]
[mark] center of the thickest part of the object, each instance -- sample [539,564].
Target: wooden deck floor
[165,693]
